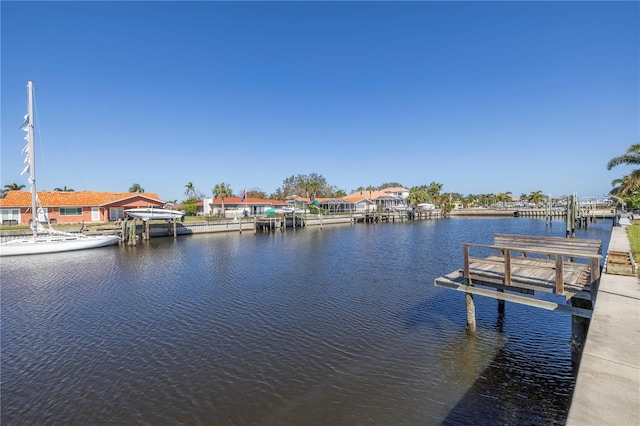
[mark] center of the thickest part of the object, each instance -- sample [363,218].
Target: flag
[25,125]
[244,195]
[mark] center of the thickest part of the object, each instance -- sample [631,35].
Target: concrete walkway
[607,388]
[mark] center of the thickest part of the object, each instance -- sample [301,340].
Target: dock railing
[549,269]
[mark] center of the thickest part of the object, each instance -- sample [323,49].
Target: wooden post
[568,215]
[132,233]
[501,304]
[465,249]
[507,267]
[175,228]
[146,229]
[255,224]
[559,275]
[579,329]
[471,313]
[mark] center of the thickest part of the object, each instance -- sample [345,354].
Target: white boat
[155,213]
[426,206]
[46,240]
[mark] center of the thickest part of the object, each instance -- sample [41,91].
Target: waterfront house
[329,205]
[238,207]
[73,206]
[388,198]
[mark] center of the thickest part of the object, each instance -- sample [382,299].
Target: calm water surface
[335,326]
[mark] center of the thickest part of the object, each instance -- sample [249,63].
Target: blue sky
[482,97]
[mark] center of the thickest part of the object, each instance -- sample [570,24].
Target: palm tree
[629,158]
[536,197]
[136,188]
[65,189]
[190,192]
[13,187]
[10,187]
[627,185]
[222,190]
[313,188]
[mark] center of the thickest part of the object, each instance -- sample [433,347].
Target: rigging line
[69,158]
[42,163]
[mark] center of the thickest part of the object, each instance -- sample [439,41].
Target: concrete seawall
[607,388]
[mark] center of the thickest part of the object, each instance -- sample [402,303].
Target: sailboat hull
[154,213]
[55,244]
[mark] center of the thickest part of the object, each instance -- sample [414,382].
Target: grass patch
[633,232]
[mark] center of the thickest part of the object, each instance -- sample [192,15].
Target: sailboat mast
[32,159]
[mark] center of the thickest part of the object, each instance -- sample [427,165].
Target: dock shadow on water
[335,326]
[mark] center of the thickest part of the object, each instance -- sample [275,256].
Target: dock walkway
[607,390]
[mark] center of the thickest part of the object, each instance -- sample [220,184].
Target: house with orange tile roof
[236,206]
[73,206]
[387,198]
[330,205]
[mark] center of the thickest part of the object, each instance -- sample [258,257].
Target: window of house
[10,215]
[116,213]
[70,211]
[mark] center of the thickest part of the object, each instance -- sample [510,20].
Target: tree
[313,188]
[11,187]
[190,206]
[626,186]
[305,184]
[136,188]
[536,197]
[277,195]
[256,193]
[630,158]
[339,193]
[503,197]
[434,189]
[190,191]
[418,195]
[390,185]
[370,189]
[64,189]
[222,191]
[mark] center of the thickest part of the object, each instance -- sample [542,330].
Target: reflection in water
[333,326]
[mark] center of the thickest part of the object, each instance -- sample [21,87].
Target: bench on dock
[565,266]
[525,264]
[580,245]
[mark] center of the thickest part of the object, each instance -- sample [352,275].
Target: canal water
[335,326]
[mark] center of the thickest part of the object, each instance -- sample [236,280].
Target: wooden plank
[550,239]
[529,301]
[559,275]
[537,250]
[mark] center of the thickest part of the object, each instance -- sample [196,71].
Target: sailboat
[46,240]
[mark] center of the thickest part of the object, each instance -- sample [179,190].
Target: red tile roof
[72,198]
[249,200]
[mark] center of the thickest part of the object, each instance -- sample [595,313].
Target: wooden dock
[515,267]
[525,264]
